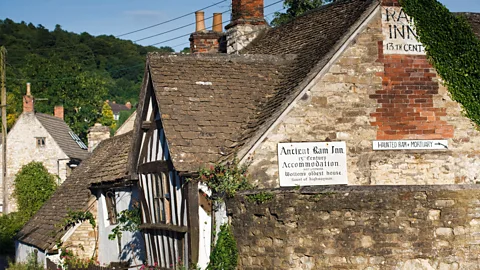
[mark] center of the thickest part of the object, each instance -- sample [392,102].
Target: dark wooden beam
[165,227]
[146,125]
[193,221]
[158,166]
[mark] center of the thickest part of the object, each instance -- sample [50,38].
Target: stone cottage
[349,74]
[41,137]
[100,185]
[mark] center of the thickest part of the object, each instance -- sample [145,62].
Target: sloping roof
[117,108]
[474,20]
[108,162]
[214,106]
[59,130]
[207,101]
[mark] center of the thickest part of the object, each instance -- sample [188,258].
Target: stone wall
[83,241]
[348,103]
[359,227]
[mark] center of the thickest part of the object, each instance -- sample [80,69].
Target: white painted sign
[411,145]
[399,35]
[312,163]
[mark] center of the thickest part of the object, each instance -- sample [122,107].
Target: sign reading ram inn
[312,163]
[399,35]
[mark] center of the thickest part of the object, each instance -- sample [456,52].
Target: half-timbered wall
[164,204]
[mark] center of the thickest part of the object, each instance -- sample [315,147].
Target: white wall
[22,251]
[205,242]
[109,250]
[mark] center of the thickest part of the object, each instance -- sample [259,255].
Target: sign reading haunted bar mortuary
[411,145]
[399,35]
[312,163]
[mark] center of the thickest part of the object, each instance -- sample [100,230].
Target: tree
[33,187]
[296,8]
[107,116]
[185,50]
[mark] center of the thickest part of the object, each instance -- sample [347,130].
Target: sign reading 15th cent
[399,35]
[312,163]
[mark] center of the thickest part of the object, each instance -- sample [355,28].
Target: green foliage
[79,71]
[260,197]
[33,187]
[10,225]
[185,50]
[31,264]
[295,8]
[74,217]
[107,116]
[122,118]
[453,50]
[128,221]
[224,180]
[73,261]
[225,254]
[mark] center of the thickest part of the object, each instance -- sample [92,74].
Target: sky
[119,17]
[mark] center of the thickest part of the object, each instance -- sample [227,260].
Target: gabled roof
[60,132]
[107,163]
[208,100]
[214,106]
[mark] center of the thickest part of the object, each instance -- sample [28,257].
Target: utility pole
[3,53]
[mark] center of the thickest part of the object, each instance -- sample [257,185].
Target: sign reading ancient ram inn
[399,35]
[312,163]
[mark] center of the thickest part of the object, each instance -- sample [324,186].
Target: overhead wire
[131,67]
[134,31]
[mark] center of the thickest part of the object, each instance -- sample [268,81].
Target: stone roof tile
[107,163]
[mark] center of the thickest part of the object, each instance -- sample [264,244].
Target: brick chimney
[247,22]
[96,134]
[28,101]
[207,41]
[58,111]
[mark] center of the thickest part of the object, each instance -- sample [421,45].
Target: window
[40,141]
[111,206]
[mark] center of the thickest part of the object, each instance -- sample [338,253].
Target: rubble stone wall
[359,227]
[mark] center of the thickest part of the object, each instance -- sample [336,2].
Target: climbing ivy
[74,217]
[452,48]
[224,180]
[225,254]
[128,220]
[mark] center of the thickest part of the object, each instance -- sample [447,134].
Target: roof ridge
[320,8]
[223,57]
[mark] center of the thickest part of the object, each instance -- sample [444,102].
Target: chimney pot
[200,21]
[58,111]
[217,22]
[28,101]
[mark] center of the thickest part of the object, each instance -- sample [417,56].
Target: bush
[225,254]
[9,226]
[33,187]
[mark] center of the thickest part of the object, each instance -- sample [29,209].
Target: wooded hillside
[78,71]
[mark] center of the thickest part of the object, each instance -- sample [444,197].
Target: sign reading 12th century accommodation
[312,163]
[399,35]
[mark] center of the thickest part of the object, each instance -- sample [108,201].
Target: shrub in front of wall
[225,254]
[452,48]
